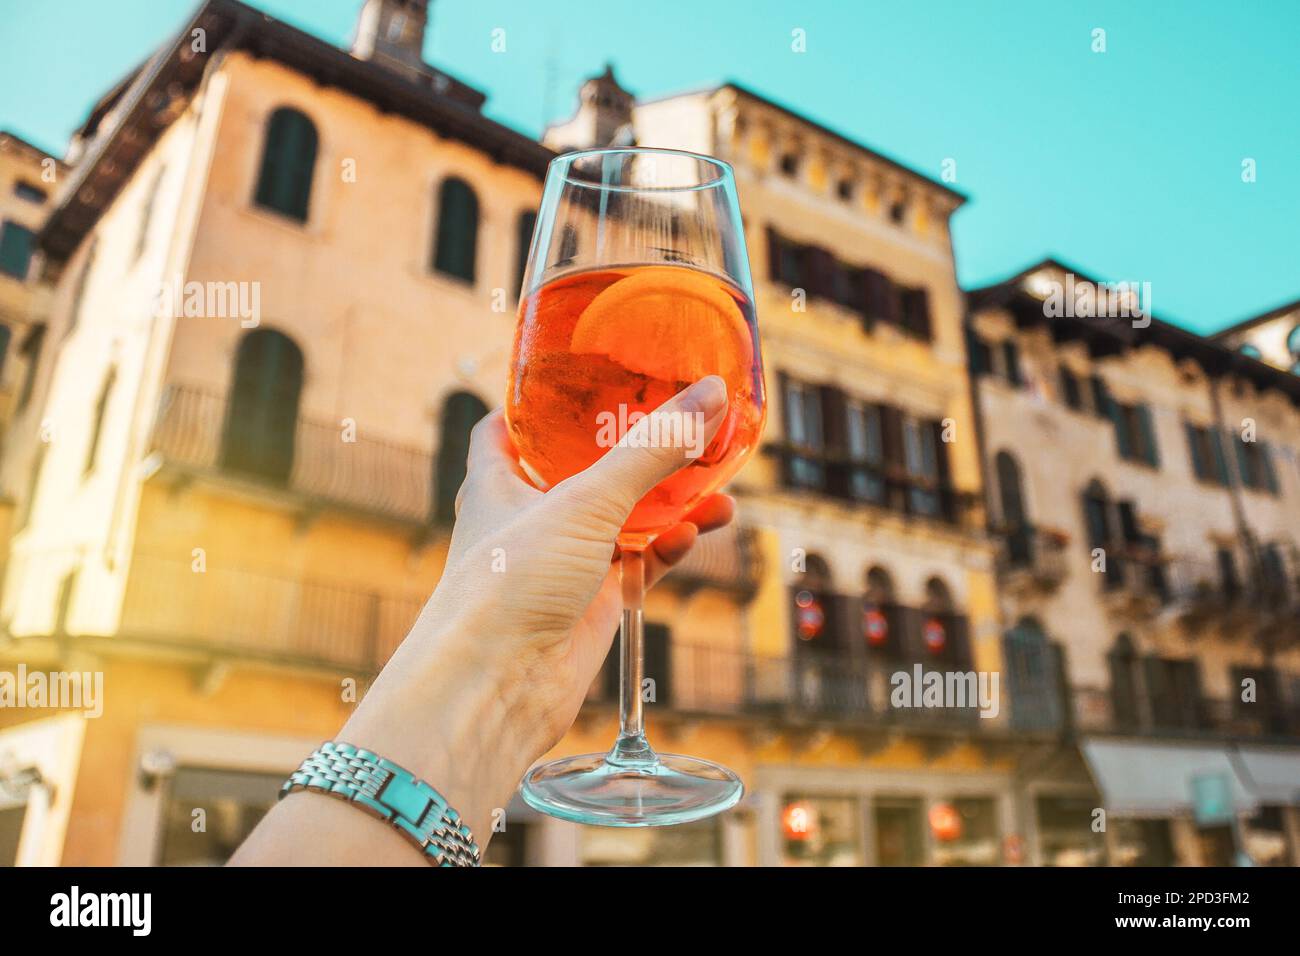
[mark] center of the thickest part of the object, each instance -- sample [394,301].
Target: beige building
[1144,484]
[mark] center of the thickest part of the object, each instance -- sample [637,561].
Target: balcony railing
[863,483]
[1135,582]
[369,475]
[832,688]
[253,614]
[1032,558]
[727,559]
[1095,710]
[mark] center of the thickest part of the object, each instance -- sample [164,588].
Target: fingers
[673,545]
[628,471]
[712,513]
[492,462]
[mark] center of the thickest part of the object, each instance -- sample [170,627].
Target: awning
[1272,773]
[1142,778]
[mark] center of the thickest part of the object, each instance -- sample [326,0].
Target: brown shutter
[947,497]
[835,438]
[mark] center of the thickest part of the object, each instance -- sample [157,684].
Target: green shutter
[1151,451]
[1222,472]
[457,236]
[1199,467]
[16,245]
[1244,468]
[1123,439]
[288,163]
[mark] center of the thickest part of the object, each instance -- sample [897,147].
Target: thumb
[673,435]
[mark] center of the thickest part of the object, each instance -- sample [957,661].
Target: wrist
[443,709]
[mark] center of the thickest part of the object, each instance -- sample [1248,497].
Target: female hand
[497,665]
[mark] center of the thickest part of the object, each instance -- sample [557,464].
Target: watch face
[404,798]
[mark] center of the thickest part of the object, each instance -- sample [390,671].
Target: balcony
[859,483]
[727,560]
[367,476]
[1135,583]
[1096,710]
[250,614]
[1204,594]
[1032,559]
[832,690]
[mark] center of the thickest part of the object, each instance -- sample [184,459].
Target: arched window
[288,161]
[943,635]
[523,241]
[882,627]
[457,235]
[1032,663]
[814,608]
[262,414]
[1015,522]
[1293,342]
[1123,663]
[460,413]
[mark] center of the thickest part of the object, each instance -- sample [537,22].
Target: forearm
[441,712]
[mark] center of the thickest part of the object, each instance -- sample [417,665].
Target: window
[16,246]
[1015,521]
[288,163]
[1071,391]
[804,435]
[1293,342]
[866,452]
[262,416]
[455,246]
[146,212]
[29,193]
[821,831]
[31,353]
[1255,465]
[790,164]
[235,802]
[79,293]
[1135,433]
[1122,661]
[97,428]
[915,304]
[1209,463]
[844,189]
[900,834]
[1229,582]
[897,212]
[980,354]
[1011,364]
[460,413]
[1251,351]
[1101,400]
[6,335]
[1175,693]
[523,242]
[921,449]
[784,261]
[1144,843]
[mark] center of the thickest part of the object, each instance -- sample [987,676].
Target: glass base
[664,790]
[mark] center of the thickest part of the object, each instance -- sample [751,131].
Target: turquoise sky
[1126,163]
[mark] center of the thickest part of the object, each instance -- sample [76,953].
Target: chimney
[391,32]
[604,117]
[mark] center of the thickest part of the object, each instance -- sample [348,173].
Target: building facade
[277,283]
[1144,487]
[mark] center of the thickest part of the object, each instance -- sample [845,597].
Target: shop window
[1142,843]
[900,834]
[1065,835]
[965,832]
[1266,839]
[233,803]
[690,844]
[821,831]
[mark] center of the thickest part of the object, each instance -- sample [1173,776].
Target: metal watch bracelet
[385,790]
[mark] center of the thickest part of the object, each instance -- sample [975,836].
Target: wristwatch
[387,791]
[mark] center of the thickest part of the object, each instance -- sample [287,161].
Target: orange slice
[670,323]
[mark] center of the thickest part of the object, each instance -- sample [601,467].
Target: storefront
[1197,804]
[861,817]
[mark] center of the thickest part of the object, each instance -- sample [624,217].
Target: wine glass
[637,286]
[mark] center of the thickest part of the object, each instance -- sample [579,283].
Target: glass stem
[632,748]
